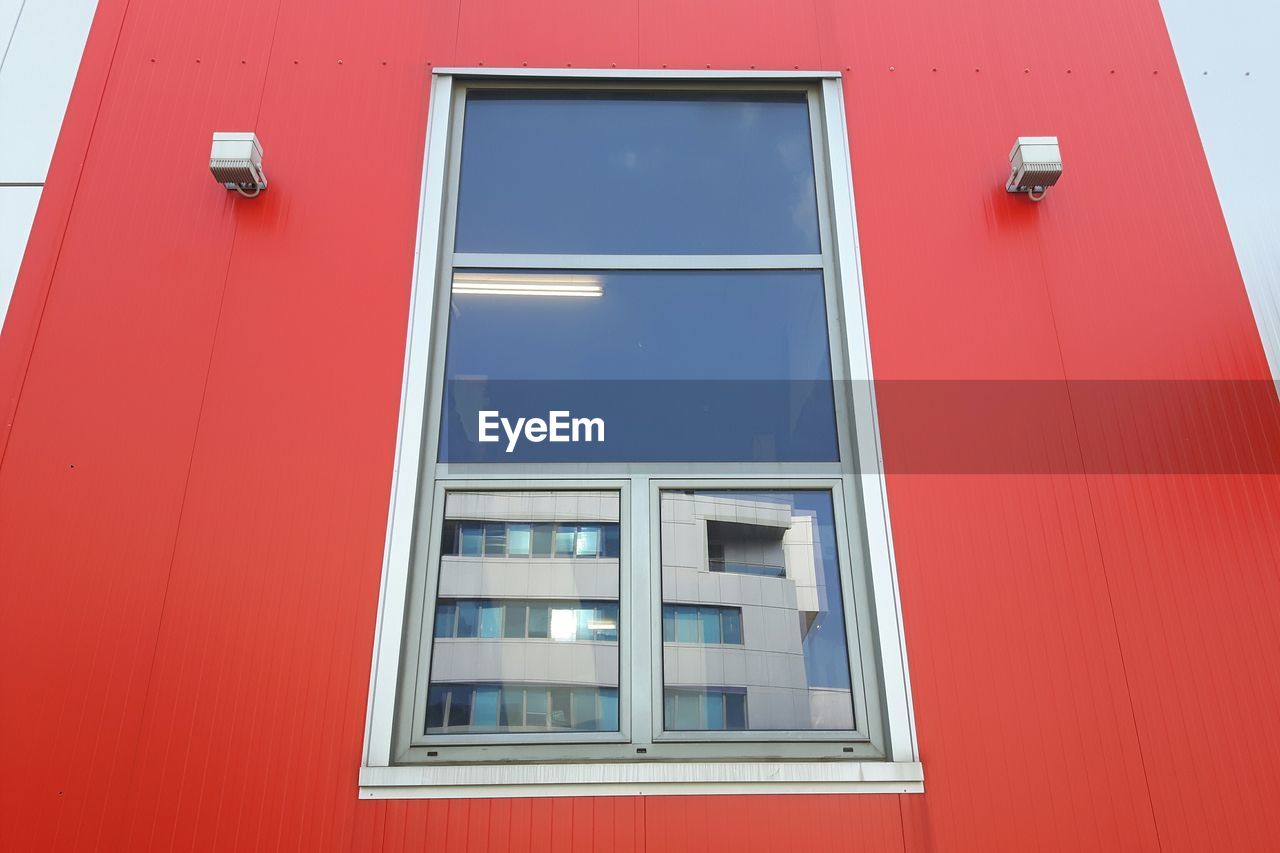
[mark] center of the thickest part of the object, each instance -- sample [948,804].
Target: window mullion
[488,260]
[640,607]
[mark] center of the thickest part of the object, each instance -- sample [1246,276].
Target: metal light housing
[1035,164]
[236,162]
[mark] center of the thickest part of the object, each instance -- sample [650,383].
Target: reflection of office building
[526,619]
[742,588]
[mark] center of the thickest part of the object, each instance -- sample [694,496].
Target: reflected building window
[520,708]
[525,637]
[712,709]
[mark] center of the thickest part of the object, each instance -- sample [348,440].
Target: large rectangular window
[642,534]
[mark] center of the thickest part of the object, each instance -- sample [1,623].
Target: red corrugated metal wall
[199,403]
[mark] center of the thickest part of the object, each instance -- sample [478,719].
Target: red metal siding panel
[1195,600]
[95,469]
[1191,559]
[549,33]
[741,34]
[188,613]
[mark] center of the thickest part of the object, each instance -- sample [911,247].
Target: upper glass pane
[753,640]
[652,366]
[524,640]
[636,173]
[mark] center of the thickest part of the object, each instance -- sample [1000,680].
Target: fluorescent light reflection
[527,284]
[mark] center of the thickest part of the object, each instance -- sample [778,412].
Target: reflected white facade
[759,557]
[532,611]
[526,626]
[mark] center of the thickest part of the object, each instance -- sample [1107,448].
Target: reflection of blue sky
[614,173]
[826,649]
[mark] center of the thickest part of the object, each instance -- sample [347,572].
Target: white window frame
[898,770]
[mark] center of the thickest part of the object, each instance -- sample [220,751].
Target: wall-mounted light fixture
[236,163]
[1035,164]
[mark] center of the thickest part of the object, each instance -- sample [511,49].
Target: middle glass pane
[656,366]
[526,643]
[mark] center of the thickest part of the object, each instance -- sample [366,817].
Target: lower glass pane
[526,633]
[753,621]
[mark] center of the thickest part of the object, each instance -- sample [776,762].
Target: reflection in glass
[468,617]
[508,539]
[542,536]
[588,542]
[518,540]
[490,620]
[753,622]
[462,708]
[525,633]
[472,540]
[577,621]
[681,365]
[618,173]
[713,709]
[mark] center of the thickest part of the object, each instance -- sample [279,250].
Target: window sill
[641,779]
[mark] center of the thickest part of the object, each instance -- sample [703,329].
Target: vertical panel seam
[817,33]
[182,504]
[902,822]
[1097,533]
[457,30]
[66,224]
[17,21]
[195,440]
[262,98]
